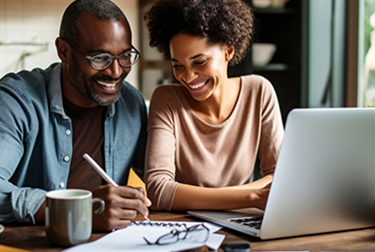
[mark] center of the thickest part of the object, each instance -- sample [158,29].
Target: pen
[101,172]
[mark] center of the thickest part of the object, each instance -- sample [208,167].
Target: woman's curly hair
[226,22]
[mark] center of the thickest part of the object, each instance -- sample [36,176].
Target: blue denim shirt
[36,140]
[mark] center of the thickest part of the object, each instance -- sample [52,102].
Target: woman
[205,134]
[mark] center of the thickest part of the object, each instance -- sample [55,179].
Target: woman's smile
[197,86]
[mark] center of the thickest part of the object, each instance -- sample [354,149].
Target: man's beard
[85,86]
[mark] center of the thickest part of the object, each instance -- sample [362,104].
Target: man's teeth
[107,84]
[198,85]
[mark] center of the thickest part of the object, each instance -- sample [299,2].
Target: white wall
[38,21]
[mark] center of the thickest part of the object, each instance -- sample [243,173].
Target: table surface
[33,238]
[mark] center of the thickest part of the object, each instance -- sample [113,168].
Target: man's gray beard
[78,83]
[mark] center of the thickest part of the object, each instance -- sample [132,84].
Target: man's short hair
[101,9]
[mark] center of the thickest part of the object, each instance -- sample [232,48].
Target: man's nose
[115,70]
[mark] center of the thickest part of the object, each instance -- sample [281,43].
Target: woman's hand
[260,196]
[122,204]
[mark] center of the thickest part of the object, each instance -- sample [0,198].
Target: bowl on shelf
[279,3]
[262,53]
[262,3]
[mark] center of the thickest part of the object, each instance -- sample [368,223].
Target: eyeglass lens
[103,60]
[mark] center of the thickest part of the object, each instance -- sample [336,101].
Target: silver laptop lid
[325,174]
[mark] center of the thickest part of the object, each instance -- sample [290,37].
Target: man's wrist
[40,214]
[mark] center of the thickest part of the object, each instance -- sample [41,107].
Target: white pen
[101,172]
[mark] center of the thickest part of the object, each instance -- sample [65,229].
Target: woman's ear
[229,52]
[62,49]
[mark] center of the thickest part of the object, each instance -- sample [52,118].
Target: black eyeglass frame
[89,58]
[177,233]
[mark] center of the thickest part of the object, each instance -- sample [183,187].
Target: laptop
[324,179]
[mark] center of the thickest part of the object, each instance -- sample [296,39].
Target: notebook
[135,181]
[324,179]
[132,238]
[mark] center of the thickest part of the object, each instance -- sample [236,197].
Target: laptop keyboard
[254,222]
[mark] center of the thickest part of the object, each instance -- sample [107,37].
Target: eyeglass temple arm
[148,242]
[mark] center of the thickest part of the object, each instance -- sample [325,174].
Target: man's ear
[62,49]
[229,52]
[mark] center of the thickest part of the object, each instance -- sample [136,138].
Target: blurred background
[316,53]
[28,29]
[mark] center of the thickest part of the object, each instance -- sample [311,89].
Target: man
[51,117]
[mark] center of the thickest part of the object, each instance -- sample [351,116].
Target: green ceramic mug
[69,216]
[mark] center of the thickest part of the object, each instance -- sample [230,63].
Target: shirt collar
[55,91]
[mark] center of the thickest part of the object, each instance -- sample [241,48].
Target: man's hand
[122,204]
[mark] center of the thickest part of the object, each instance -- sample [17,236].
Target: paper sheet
[131,239]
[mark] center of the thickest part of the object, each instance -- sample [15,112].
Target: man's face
[92,87]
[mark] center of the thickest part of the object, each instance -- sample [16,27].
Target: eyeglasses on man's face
[198,233]
[102,61]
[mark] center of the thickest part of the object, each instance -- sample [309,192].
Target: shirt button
[66,158]
[68,132]
[62,185]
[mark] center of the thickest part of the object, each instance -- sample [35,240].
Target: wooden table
[33,238]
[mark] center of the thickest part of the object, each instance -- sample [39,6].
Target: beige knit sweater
[182,148]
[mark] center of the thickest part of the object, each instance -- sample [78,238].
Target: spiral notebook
[158,224]
[131,238]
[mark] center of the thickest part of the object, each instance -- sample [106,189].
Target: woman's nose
[188,76]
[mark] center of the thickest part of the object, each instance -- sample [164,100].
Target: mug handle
[102,205]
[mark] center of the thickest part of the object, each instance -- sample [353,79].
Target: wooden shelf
[273,67]
[282,27]
[271,10]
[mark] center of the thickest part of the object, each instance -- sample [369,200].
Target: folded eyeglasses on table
[197,233]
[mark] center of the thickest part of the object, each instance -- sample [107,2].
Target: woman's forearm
[188,197]
[260,183]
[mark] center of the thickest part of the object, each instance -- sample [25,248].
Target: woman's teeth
[198,85]
[107,84]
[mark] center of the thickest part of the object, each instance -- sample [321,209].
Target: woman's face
[200,67]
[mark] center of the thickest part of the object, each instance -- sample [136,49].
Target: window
[366,53]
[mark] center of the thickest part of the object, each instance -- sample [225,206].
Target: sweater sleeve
[160,161]
[272,130]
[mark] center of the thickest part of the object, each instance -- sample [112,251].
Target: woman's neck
[219,106]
